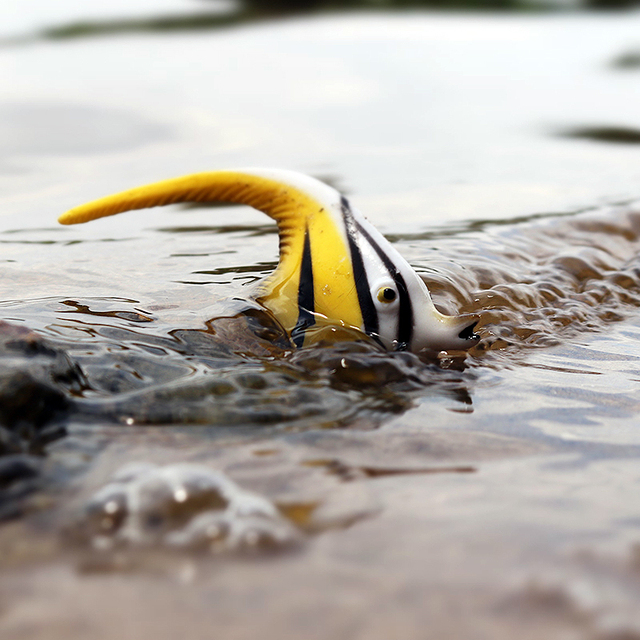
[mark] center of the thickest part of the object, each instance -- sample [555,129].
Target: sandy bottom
[406,534]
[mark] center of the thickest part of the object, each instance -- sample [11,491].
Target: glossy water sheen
[487,495]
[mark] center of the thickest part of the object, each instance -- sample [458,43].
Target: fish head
[402,311]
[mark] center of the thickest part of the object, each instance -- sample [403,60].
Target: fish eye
[386,294]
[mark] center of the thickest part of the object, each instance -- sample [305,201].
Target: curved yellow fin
[283,202]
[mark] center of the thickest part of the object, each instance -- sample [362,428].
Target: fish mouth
[468,332]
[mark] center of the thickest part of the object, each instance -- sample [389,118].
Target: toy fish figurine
[335,267]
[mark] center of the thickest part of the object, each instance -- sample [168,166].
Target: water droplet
[111,507]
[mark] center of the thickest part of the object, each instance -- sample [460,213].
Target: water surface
[477,496]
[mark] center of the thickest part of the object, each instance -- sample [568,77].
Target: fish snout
[445,333]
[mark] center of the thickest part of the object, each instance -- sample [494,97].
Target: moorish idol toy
[335,267]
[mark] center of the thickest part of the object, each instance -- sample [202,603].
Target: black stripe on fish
[367,306]
[405,314]
[306,301]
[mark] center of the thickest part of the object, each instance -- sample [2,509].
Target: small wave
[536,284]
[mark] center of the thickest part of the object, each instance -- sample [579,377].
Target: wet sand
[517,542]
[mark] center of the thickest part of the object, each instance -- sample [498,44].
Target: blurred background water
[498,146]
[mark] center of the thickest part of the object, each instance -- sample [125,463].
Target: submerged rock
[34,377]
[184,506]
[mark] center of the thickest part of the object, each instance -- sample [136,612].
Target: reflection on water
[225,13]
[190,22]
[627,61]
[615,135]
[59,130]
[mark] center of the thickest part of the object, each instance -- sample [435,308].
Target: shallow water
[473,496]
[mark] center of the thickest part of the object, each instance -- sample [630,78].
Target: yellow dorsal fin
[279,199]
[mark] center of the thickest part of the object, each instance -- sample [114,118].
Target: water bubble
[180,495]
[180,506]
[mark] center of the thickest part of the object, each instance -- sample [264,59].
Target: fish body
[334,267]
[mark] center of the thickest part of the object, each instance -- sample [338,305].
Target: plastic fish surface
[334,267]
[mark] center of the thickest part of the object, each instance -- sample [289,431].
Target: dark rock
[24,350]
[27,402]
[18,467]
[35,381]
